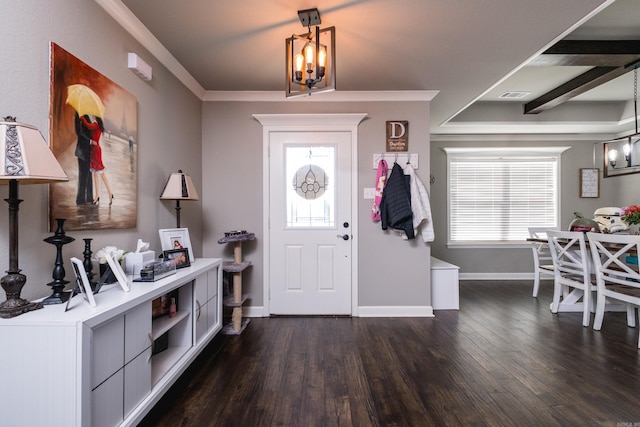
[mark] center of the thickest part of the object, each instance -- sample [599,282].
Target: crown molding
[335,96]
[123,15]
[510,137]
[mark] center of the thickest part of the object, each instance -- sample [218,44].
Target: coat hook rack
[401,158]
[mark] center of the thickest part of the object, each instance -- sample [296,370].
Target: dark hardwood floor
[502,360]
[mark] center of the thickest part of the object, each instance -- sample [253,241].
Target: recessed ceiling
[471,52]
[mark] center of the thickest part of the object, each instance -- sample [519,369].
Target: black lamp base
[9,312]
[14,305]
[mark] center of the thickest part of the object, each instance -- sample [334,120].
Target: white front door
[310,242]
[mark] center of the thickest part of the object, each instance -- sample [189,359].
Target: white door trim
[309,123]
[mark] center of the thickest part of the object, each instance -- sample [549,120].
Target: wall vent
[514,95]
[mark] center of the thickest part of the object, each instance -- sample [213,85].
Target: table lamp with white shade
[25,158]
[179,186]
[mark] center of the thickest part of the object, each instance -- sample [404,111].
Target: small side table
[235,298]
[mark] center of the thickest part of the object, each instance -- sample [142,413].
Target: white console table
[92,366]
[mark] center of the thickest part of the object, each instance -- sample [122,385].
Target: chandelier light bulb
[322,57]
[299,61]
[627,149]
[322,61]
[613,154]
[308,54]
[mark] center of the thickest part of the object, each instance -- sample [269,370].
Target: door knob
[343,236]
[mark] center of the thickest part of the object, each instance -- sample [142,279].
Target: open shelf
[162,362]
[165,323]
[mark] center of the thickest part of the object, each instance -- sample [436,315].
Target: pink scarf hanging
[381,178]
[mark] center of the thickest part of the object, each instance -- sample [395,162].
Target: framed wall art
[397,135]
[93,131]
[589,183]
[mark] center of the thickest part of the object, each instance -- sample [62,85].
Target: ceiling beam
[584,82]
[609,58]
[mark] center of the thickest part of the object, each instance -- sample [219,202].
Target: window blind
[495,199]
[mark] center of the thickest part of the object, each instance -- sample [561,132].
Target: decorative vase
[106,275]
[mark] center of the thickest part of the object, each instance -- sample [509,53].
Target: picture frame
[589,183]
[179,256]
[176,238]
[83,281]
[117,270]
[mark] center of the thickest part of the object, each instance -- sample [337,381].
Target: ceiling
[470,52]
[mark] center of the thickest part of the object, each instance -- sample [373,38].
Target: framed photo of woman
[176,238]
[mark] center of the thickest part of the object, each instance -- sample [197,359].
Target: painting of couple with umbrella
[93,134]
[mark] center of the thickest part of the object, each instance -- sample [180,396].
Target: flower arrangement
[101,255]
[631,214]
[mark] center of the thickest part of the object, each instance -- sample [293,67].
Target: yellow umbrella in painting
[84,100]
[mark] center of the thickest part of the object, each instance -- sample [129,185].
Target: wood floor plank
[503,359]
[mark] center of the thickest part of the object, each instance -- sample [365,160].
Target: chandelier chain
[635,96]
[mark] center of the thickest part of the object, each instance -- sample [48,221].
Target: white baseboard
[496,276]
[395,311]
[369,311]
[253,311]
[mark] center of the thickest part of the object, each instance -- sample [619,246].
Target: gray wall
[220,146]
[169,126]
[614,191]
[392,271]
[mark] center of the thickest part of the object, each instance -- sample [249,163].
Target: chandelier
[629,144]
[310,66]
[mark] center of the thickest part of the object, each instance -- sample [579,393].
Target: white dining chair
[571,269]
[542,262]
[615,257]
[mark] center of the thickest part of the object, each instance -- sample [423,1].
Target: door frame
[309,123]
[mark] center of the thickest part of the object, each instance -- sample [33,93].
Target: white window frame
[497,153]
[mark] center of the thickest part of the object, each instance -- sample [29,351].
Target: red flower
[631,214]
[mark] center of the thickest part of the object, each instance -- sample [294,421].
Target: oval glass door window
[311,193]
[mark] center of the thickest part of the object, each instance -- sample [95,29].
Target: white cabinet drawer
[212,282]
[212,312]
[201,286]
[137,331]
[107,404]
[137,381]
[201,319]
[107,351]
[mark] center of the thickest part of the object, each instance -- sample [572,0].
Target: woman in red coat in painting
[95,126]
